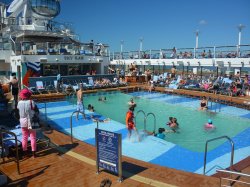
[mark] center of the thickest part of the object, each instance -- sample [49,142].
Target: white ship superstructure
[220,59]
[32,43]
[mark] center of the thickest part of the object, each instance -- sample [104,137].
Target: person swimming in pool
[102,99]
[161,133]
[131,103]
[91,108]
[106,120]
[209,125]
[96,117]
[173,124]
[170,121]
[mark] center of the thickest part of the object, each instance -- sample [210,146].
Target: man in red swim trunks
[130,122]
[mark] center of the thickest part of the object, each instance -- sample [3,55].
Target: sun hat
[209,121]
[25,94]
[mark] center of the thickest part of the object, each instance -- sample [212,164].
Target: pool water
[191,134]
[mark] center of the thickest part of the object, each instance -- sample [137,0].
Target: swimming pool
[183,150]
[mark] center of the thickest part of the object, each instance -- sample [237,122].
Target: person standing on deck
[14,89]
[91,46]
[173,72]
[26,108]
[130,122]
[79,105]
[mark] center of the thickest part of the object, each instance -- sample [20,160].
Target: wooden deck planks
[63,168]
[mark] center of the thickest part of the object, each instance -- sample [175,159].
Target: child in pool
[173,124]
[209,125]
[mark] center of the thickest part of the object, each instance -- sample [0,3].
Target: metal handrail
[141,111]
[148,114]
[232,151]
[214,101]
[16,145]
[71,128]
[235,173]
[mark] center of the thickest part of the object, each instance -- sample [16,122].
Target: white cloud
[202,22]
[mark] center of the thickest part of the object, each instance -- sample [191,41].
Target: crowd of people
[182,54]
[224,84]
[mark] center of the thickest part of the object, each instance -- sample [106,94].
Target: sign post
[108,152]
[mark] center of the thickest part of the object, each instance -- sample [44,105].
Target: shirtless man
[79,105]
[173,71]
[14,89]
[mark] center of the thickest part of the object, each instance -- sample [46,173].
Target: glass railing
[36,24]
[53,48]
[242,51]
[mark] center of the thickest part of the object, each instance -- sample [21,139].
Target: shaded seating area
[11,145]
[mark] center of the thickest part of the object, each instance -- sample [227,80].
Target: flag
[35,66]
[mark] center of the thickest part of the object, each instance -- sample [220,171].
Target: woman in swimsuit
[203,104]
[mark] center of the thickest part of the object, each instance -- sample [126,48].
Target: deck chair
[165,75]
[155,78]
[39,85]
[40,88]
[91,82]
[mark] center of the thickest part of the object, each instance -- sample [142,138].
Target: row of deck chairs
[69,86]
[219,87]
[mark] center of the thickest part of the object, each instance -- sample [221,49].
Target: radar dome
[47,8]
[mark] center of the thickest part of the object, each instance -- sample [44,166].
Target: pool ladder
[232,152]
[145,117]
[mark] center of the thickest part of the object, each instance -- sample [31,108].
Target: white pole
[239,37]
[141,39]
[122,42]
[140,45]
[240,27]
[197,39]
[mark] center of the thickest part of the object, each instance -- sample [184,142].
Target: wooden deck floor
[66,164]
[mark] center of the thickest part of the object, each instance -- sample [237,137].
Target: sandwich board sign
[108,152]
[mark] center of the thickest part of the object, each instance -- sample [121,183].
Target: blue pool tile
[147,149]
[180,158]
[246,116]
[53,104]
[90,141]
[123,132]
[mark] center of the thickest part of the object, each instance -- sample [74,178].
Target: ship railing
[56,48]
[233,178]
[44,24]
[237,51]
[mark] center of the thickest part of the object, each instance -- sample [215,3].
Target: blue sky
[161,23]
